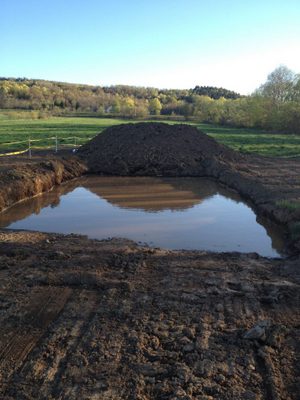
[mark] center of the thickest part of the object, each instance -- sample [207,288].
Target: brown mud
[88,319]
[109,319]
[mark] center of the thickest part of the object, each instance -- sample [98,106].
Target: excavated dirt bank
[21,178]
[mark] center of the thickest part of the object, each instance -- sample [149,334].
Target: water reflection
[152,194]
[167,212]
[34,205]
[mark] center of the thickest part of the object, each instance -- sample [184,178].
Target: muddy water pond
[174,213]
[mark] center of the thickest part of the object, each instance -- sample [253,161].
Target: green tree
[154,106]
[116,107]
[279,85]
[128,106]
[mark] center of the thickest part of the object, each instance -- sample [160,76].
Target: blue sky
[166,43]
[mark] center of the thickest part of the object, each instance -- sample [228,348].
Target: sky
[233,44]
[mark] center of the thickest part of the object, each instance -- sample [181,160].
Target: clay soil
[88,319]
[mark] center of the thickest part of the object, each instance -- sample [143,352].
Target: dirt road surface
[94,319]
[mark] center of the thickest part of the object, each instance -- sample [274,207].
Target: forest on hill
[275,105]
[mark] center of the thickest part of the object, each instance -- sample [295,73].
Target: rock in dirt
[267,333]
[258,332]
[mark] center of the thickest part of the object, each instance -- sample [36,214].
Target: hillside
[274,106]
[34,94]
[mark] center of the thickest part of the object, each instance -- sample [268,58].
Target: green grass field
[245,140]
[255,141]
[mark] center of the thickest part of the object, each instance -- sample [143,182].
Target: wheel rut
[19,337]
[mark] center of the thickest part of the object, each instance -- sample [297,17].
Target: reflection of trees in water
[152,194]
[145,194]
[172,194]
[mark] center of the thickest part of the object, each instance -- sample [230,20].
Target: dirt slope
[21,178]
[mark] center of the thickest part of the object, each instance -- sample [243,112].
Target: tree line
[275,105]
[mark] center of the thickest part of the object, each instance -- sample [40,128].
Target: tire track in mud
[60,366]
[46,374]
[274,364]
[238,310]
[87,311]
[157,326]
[273,385]
[18,340]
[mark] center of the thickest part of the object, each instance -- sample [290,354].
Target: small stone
[258,332]
[60,254]
[185,340]
[220,379]
[188,348]
[150,379]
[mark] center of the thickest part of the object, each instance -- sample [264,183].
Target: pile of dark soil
[154,149]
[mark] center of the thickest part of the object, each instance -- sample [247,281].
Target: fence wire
[58,143]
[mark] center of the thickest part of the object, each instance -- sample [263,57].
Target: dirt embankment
[21,178]
[83,319]
[157,149]
[272,185]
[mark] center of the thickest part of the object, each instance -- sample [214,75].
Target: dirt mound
[155,149]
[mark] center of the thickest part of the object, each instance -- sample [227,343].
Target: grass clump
[295,230]
[289,205]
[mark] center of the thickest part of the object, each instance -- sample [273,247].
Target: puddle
[174,213]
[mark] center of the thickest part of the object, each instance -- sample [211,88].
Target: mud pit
[87,319]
